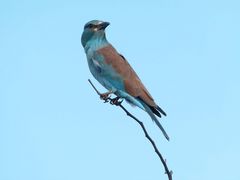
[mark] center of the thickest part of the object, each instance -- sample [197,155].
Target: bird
[112,70]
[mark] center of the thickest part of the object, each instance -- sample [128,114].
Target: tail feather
[150,112]
[155,111]
[161,111]
[158,111]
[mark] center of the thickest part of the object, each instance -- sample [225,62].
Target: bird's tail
[151,114]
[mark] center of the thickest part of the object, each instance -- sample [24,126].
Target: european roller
[114,72]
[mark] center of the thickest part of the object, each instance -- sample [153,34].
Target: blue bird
[113,71]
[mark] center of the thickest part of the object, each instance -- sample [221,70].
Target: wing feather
[132,82]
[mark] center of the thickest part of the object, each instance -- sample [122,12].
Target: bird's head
[94,28]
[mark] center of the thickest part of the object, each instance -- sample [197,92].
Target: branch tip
[111,101]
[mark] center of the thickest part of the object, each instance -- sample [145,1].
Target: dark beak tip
[103,25]
[106,24]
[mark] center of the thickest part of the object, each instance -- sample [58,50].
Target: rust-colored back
[132,82]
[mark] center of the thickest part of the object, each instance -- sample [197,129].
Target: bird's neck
[96,42]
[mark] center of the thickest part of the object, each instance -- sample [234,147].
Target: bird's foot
[105,96]
[115,101]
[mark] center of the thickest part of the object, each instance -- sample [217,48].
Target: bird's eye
[90,26]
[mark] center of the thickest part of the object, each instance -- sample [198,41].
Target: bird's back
[132,82]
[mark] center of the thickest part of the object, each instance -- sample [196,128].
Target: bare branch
[117,103]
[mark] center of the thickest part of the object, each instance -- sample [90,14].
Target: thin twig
[167,171]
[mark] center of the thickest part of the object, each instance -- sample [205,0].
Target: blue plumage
[114,72]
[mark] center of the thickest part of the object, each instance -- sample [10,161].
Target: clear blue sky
[54,127]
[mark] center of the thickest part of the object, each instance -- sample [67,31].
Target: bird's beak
[103,25]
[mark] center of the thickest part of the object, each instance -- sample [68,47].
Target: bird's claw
[115,101]
[106,101]
[105,96]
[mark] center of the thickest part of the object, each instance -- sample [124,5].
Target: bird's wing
[132,82]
